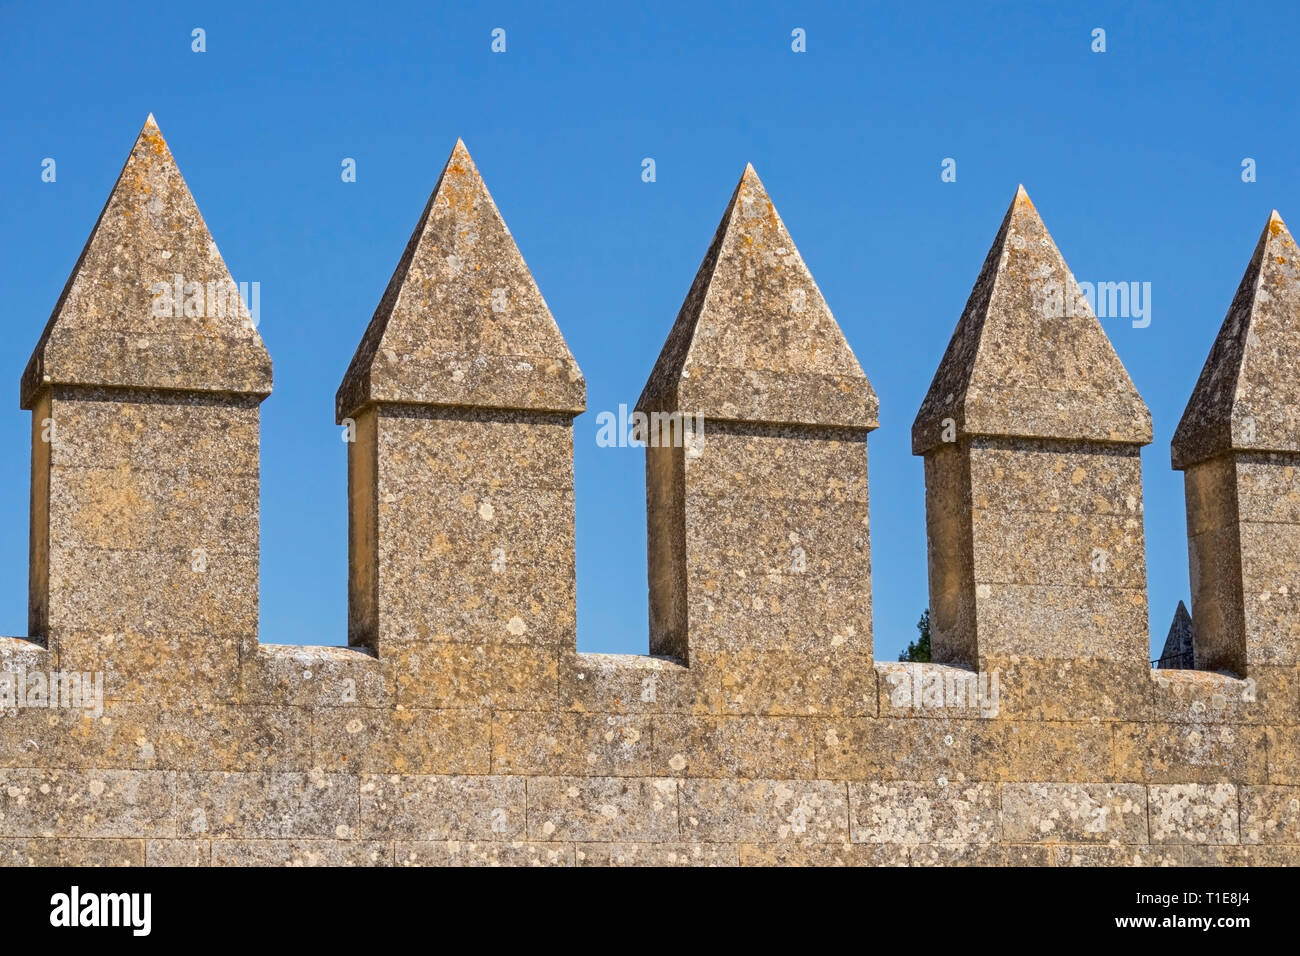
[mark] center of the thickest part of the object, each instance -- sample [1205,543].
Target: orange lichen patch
[153,137]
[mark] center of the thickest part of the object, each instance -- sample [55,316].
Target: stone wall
[460,725]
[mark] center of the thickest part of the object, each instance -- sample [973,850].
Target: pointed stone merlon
[460,403]
[144,390]
[1238,445]
[1177,653]
[756,471]
[1031,432]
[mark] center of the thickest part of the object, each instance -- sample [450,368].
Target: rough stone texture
[460,475]
[1238,445]
[144,544]
[1031,431]
[772,495]
[462,728]
[1015,369]
[462,322]
[754,340]
[104,331]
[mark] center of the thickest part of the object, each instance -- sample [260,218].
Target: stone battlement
[460,725]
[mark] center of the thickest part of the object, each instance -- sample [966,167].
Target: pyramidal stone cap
[1178,650]
[1247,397]
[754,340]
[150,304]
[462,323]
[1029,358]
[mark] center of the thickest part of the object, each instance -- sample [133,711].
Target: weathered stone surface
[178,853]
[1172,855]
[755,340]
[823,854]
[1028,620]
[484,562]
[1065,813]
[822,473]
[1062,752]
[314,677]
[931,751]
[1183,753]
[400,740]
[1052,689]
[727,538]
[144,389]
[657,854]
[1202,697]
[453,674]
[769,486]
[61,852]
[87,803]
[978,854]
[460,727]
[1270,554]
[936,690]
[105,329]
[1270,815]
[1014,368]
[801,617]
[459,402]
[492,341]
[300,853]
[1058,549]
[265,806]
[1193,813]
[216,737]
[836,682]
[145,450]
[167,549]
[603,809]
[1239,445]
[1284,755]
[632,684]
[734,746]
[433,808]
[924,813]
[1247,397]
[138,736]
[763,811]
[564,743]
[1030,431]
[461,853]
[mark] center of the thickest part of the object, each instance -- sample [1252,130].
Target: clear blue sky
[1133,157]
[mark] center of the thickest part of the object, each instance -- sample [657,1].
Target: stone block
[764,811]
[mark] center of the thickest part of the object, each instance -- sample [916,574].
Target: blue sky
[1133,157]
